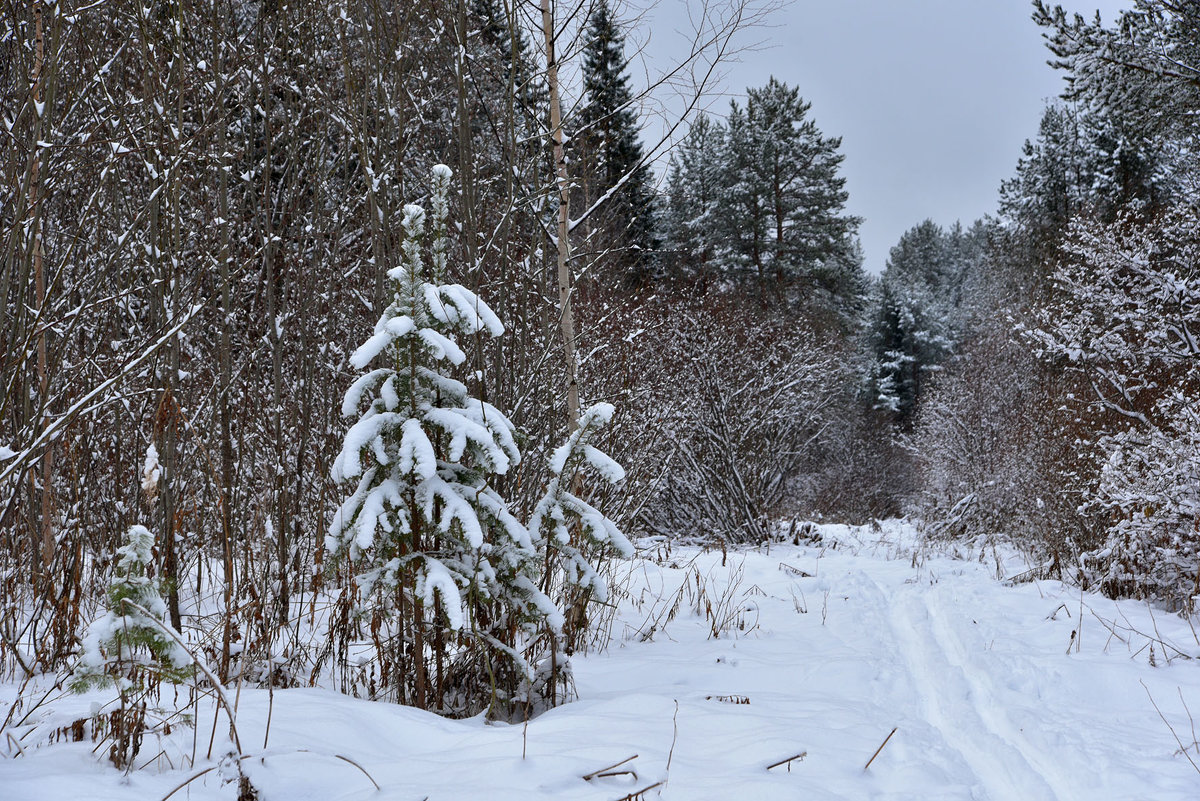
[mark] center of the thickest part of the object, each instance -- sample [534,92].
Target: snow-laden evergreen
[694,185]
[436,545]
[561,509]
[129,647]
[759,200]
[611,153]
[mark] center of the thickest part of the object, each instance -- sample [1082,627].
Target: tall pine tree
[783,210]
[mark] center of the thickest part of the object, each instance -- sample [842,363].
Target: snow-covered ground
[823,649]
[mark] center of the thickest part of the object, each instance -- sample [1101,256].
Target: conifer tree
[505,82]
[694,185]
[126,645]
[130,647]
[1049,182]
[783,208]
[1081,163]
[570,531]
[612,153]
[1142,70]
[913,331]
[440,552]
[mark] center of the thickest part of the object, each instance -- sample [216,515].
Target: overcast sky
[933,99]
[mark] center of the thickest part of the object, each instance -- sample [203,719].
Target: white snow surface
[827,648]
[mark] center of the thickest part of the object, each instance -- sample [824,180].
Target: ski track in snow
[969,717]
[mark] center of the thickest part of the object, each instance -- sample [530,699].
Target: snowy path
[969,717]
[827,648]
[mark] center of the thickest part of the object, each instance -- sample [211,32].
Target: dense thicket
[211,206]
[206,201]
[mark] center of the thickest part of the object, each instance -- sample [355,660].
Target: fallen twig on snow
[740,700]
[880,748]
[788,761]
[587,777]
[1054,615]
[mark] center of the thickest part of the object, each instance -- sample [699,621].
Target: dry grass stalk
[605,771]
[1183,749]
[880,748]
[638,795]
[674,736]
[795,757]
[244,757]
[729,699]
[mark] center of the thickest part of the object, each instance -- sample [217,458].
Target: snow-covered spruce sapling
[446,571]
[572,535]
[129,648]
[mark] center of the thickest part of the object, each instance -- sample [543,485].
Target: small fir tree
[130,647]
[571,532]
[442,557]
[126,648]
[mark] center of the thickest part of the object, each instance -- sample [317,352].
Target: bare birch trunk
[562,237]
